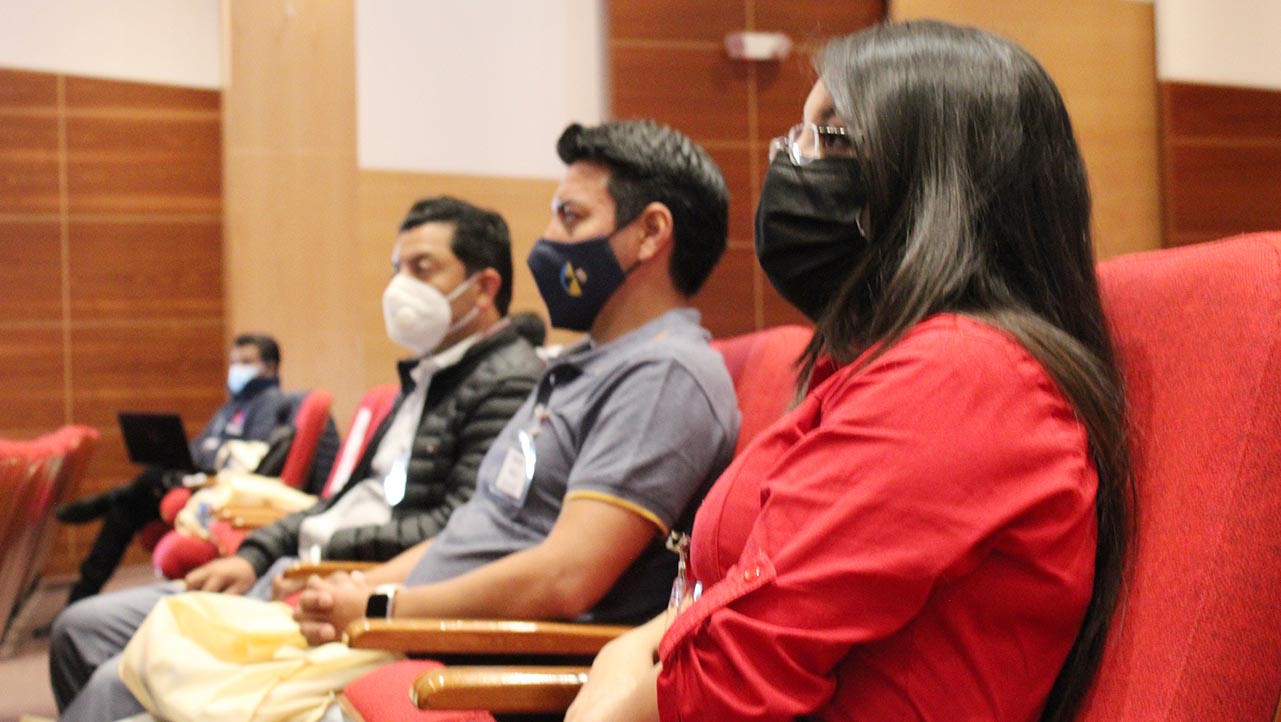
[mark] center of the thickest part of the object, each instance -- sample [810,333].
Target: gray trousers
[88,638]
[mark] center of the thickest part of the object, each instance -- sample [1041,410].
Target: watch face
[378,605]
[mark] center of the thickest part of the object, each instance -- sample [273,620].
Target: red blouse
[915,541]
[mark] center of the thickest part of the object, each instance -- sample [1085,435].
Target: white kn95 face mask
[417,315]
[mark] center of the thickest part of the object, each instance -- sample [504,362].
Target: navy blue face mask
[575,279]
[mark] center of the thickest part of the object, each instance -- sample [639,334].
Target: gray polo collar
[679,321]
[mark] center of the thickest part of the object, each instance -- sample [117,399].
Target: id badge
[517,471]
[396,479]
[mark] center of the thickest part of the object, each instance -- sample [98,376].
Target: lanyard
[683,593]
[542,397]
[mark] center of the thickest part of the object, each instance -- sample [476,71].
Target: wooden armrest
[480,636]
[251,517]
[499,689]
[303,570]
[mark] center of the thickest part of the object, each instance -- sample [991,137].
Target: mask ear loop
[467,317]
[462,286]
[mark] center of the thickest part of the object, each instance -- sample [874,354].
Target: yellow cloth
[204,657]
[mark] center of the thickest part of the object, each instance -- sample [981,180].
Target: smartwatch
[381,602]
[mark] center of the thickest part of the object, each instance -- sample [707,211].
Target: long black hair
[978,204]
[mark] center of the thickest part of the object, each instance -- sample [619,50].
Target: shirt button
[750,574]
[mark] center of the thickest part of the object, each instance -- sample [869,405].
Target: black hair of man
[268,349]
[650,163]
[481,239]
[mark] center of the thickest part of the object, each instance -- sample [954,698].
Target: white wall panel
[1224,42]
[477,88]
[156,41]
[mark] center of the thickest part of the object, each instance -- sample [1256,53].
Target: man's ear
[656,227]
[490,283]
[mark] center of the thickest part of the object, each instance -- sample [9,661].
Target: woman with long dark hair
[938,530]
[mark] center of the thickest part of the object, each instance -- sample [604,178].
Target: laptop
[156,440]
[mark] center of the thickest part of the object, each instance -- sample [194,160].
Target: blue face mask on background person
[575,279]
[239,375]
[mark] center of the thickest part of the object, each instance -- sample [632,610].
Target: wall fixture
[754,46]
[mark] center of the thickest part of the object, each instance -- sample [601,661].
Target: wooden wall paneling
[139,148]
[163,366]
[28,163]
[291,82]
[675,20]
[144,269]
[668,62]
[89,95]
[29,143]
[1193,110]
[1220,190]
[810,22]
[31,380]
[1222,161]
[292,268]
[728,300]
[738,165]
[1102,57]
[692,88]
[144,165]
[26,90]
[781,89]
[110,261]
[30,271]
[144,261]
[289,139]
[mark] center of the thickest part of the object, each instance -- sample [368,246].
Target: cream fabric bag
[205,657]
[240,455]
[231,488]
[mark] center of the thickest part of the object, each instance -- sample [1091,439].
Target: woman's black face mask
[808,238]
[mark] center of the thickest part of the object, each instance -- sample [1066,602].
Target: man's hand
[283,586]
[231,575]
[328,605]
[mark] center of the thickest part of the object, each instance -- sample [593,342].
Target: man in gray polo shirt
[626,430]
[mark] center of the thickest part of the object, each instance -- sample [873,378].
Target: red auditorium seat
[176,554]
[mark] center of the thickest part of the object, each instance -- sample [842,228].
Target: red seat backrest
[309,425]
[370,412]
[1198,332]
[36,475]
[763,367]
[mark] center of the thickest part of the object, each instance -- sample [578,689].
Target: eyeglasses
[806,142]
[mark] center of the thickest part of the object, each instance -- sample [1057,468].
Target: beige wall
[1101,54]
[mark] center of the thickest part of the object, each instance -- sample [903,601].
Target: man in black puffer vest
[447,302]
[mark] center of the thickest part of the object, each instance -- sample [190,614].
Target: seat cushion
[383,696]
